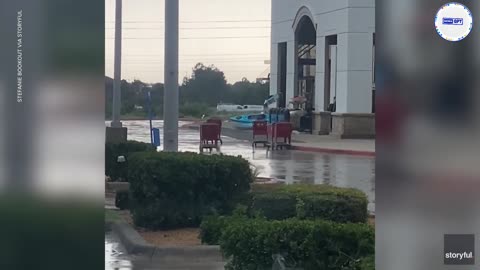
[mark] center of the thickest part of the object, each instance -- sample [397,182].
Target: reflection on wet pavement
[117,259]
[115,255]
[288,166]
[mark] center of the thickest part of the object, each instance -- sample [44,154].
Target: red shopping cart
[219,123]
[281,135]
[209,136]
[260,128]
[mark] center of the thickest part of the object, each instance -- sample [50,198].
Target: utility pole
[115,132]
[170,101]
[117,73]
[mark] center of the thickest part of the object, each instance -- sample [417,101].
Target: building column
[333,74]
[291,71]
[320,75]
[274,69]
[354,73]
[353,117]
[321,118]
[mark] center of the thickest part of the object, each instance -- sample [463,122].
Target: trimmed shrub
[212,227]
[278,202]
[121,200]
[178,189]
[118,171]
[367,263]
[307,244]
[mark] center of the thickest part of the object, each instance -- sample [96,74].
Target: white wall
[353,21]
[274,69]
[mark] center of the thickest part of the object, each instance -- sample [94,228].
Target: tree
[205,88]
[157,91]
[246,92]
[206,85]
[134,93]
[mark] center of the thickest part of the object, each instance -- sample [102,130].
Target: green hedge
[212,227]
[118,171]
[121,199]
[178,189]
[367,263]
[306,244]
[277,202]
[280,202]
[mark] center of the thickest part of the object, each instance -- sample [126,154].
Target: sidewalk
[314,143]
[334,145]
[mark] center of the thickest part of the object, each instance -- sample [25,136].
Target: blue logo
[452,21]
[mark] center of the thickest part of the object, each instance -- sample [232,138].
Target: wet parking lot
[285,165]
[116,258]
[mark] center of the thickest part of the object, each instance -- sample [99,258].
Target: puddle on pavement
[115,254]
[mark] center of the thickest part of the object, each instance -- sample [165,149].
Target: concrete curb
[136,245]
[131,240]
[334,151]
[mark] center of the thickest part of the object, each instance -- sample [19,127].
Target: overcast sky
[210,32]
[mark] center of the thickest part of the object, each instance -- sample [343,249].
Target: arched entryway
[305,57]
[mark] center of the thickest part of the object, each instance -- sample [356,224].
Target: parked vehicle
[239,108]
